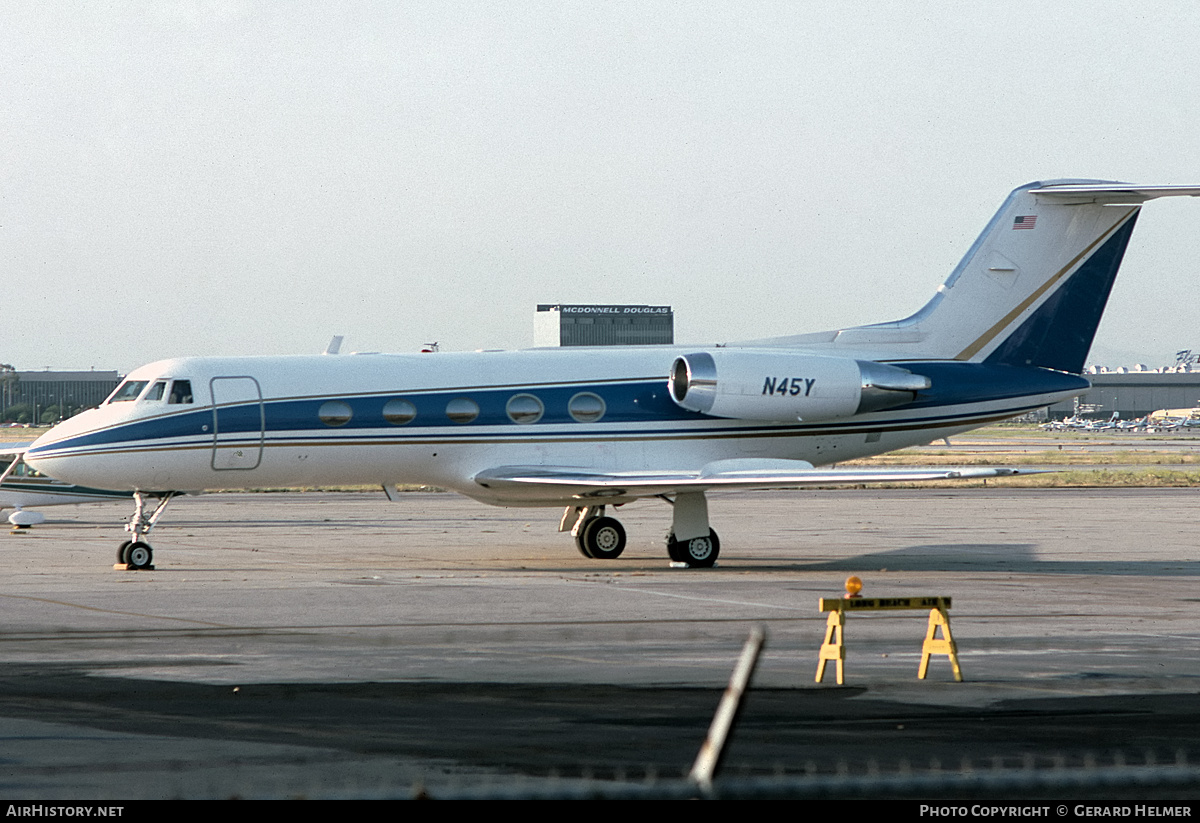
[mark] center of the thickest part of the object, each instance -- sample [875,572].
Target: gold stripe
[989,335]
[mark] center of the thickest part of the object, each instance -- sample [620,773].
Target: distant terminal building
[563,324]
[32,394]
[1134,393]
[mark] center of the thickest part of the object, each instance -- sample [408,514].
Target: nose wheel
[135,554]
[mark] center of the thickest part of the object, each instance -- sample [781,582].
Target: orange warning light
[853,586]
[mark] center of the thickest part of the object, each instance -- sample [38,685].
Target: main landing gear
[691,542]
[596,536]
[697,553]
[136,553]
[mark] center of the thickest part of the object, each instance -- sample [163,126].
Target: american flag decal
[1027,221]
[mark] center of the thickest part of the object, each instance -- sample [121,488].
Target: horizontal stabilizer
[1112,193]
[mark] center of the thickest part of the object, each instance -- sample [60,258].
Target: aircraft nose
[35,457]
[51,454]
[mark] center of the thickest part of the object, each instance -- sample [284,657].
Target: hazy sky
[249,177]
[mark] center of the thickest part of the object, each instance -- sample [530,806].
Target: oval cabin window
[524,408]
[399,412]
[462,410]
[586,407]
[335,413]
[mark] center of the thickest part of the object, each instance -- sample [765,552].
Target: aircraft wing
[548,482]
[14,451]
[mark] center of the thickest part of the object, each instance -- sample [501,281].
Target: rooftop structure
[564,324]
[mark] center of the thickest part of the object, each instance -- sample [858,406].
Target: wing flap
[549,482]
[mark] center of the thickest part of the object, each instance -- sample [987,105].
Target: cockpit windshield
[180,391]
[129,390]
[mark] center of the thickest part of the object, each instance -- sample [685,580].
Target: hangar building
[1134,394]
[563,324]
[64,391]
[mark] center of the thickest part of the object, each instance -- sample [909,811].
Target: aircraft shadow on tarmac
[1000,557]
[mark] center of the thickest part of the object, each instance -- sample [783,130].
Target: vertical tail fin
[1031,289]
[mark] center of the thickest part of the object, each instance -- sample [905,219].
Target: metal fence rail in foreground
[987,783]
[995,781]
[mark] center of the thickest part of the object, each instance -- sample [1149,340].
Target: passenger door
[238,423]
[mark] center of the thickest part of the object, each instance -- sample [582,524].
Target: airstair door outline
[238,423]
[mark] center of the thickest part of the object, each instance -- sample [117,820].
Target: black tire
[675,549]
[139,555]
[583,549]
[603,538]
[698,553]
[122,557]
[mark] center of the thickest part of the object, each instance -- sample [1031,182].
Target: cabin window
[181,392]
[129,390]
[156,391]
[586,407]
[399,412]
[462,410]
[335,413]
[524,408]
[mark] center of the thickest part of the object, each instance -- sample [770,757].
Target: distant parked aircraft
[22,487]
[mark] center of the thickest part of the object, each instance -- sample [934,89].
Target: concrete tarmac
[336,644]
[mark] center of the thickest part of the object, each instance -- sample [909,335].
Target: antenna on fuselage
[335,345]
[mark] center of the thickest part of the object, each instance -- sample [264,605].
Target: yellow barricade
[834,647]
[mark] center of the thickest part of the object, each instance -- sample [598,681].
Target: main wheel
[583,549]
[675,549]
[121,556]
[139,555]
[602,538]
[698,553]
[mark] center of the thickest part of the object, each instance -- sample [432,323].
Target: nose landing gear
[136,554]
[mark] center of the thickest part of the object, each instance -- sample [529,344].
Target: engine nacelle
[783,386]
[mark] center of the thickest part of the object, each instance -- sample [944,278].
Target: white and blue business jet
[584,429]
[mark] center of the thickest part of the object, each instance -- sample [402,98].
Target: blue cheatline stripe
[634,410]
[327,439]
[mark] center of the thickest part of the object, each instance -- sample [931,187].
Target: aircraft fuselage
[441,419]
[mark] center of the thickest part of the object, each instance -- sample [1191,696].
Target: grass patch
[8,435]
[1087,479]
[1050,457]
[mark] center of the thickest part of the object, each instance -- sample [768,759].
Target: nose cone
[62,452]
[71,427]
